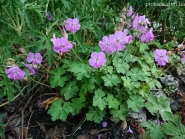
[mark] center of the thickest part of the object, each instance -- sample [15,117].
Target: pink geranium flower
[130,11]
[72,25]
[118,40]
[148,36]
[140,23]
[34,58]
[161,57]
[104,45]
[62,45]
[15,73]
[97,60]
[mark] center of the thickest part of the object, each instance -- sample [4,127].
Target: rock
[169,80]
[174,105]
[157,92]
[138,116]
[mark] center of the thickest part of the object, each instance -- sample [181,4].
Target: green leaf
[135,102]
[49,56]
[119,113]
[77,104]
[112,102]
[146,69]
[59,111]
[120,65]
[111,79]
[154,130]
[156,43]
[136,74]
[56,79]
[174,128]
[66,4]
[99,99]
[130,84]
[95,114]
[144,91]
[143,47]
[161,105]
[88,83]
[109,69]
[70,90]
[79,70]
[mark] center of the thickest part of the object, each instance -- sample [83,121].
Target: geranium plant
[112,79]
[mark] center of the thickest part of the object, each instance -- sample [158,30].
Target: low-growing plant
[172,128]
[114,79]
[89,68]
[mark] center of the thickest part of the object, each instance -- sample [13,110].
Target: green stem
[110,60]
[77,127]
[80,59]
[39,82]
[44,68]
[157,117]
[14,97]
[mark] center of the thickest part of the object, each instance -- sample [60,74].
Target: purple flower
[34,58]
[30,68]
[182,54]
[39,101]
[130,11]
[118,40]
[125,32]
[47,13]
[97,60]
[140,23]
[61,45]
[161,56]
[104,124]
[104,45]
[130,38]
[15,73]
[72,25]
[129,130]
[183,58]
[159,122]
[148,36]
[53,39]
[49,18]
[99,136]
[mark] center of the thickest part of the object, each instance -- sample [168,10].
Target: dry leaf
[94,131]
[45,104]
[124,124]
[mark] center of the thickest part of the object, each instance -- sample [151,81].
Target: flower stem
[39,82]
[77,127]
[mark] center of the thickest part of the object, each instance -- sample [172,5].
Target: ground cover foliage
[98,57]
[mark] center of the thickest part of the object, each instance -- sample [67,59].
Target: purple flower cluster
[61,45]
[34,59]
[130,11]
[140,23]
[140,26]
[147,36]
[16,73]
[109,44]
